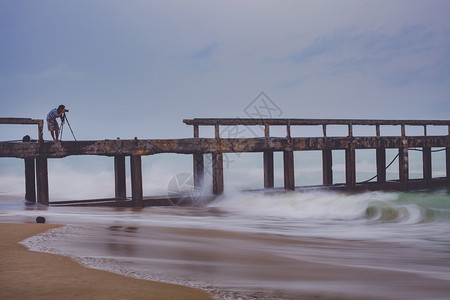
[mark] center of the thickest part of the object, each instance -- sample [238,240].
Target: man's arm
[60,114]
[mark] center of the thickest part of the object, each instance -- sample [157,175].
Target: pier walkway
[36,153]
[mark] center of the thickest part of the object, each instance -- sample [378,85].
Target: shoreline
[34,275]
[217,252]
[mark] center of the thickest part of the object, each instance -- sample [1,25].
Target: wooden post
[426,159]
[268,169]
[41,130]
[350,166]
[136,180]
[199,169]
[327,166]
[42,180]
[217,131]
[217,173]
[403,163]
[381,164]
[350,130]
[289,178]
[288,130]
[196,131]
[30,187]
[266,130]
[120,177]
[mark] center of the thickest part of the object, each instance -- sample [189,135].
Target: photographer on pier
[52,124]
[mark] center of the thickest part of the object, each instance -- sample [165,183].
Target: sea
[249,243]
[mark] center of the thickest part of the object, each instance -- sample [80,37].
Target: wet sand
[228,264]
[32,275]
[232,265]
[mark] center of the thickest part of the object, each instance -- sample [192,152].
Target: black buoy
[40,220]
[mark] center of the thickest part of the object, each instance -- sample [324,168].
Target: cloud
[58,72]
[411,54]
[206,51]
[201,60]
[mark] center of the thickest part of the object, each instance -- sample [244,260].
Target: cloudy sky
[138,68]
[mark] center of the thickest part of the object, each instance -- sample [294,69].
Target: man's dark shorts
[52,125]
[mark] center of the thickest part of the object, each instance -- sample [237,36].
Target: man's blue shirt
[52,114]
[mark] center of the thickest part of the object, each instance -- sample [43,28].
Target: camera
[67,110]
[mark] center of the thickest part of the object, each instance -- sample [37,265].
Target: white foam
[308,205]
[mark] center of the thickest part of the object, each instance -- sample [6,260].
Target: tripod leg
[70,127]
[62,127]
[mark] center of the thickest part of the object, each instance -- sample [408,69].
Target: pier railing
[217,122]
[26,121]
[36,154]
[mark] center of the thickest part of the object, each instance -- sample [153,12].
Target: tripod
[63,121]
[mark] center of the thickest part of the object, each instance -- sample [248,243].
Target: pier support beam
[120,177]
[42,180]
[217,173]
[288,161]
[381,165]
[426,159]
[30,187]
[403,169]
[327,166]
[268,169]
[136,180]
[350,166]
[199,169]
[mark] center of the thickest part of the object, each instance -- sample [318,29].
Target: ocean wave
[371,206]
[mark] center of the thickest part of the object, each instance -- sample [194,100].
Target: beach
[32,275]
[252,245]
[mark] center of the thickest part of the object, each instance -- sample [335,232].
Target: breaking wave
[371,206]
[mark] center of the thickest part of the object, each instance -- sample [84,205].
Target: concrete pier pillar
[381,164]
[327,166]
[136,181]
[217,173]
[289,178]
[426,159]
[350,166]
[403,169]
[30,187]
[447,159]
[268,169]
[199,169]
[42,180]
[120,177]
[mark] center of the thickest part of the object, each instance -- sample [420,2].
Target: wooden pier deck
[36,154]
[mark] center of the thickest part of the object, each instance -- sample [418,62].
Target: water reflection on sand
[264,266]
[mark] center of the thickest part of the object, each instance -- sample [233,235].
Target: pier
[36,154]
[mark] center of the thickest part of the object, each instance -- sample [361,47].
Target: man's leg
[53,135]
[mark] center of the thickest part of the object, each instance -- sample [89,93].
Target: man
[52,124]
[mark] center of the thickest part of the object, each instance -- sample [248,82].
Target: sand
[26,274]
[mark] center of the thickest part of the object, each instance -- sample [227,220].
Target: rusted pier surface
[37,153]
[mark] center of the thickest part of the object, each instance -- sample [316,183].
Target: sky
[138,68]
